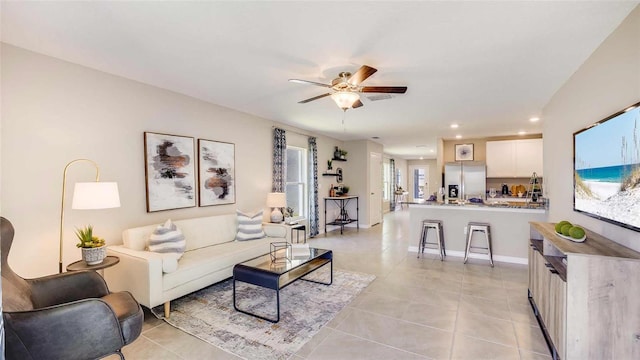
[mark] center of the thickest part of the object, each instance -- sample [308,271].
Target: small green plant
[87,240]
[345,189]
[329,163]
[343,153]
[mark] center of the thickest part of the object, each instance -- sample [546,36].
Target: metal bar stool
[478,227]
[439,243]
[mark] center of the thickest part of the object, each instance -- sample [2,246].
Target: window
[296,187]
[386,186]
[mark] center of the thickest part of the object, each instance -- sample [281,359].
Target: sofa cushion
[167,239]
[204,261]
[249,226]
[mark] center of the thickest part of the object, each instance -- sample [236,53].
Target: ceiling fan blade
[357,104]
[309,82]
[384,89]
[313,98]
[361,75]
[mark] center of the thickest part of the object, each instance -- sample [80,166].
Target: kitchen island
[509,227]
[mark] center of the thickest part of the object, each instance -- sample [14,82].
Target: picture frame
[464,152]
[169,171]
[216,173]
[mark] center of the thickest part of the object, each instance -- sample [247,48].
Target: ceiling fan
[346,87]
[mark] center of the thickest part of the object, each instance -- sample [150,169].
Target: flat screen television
[606,164]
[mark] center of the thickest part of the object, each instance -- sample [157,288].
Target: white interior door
[375,187]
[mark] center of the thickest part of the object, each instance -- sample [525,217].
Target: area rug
[305,307]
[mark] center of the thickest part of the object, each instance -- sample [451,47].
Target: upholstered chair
[64,316]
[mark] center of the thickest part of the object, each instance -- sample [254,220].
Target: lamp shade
[95,195]
[276,200]
[345,99]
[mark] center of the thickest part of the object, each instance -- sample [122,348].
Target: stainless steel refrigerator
[465,179]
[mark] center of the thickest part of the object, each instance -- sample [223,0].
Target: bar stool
[478,227]
[439,243]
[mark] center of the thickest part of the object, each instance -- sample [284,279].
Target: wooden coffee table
[261,271]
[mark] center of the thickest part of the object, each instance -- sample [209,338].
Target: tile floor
[415,309]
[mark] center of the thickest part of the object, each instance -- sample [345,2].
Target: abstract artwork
[216,171]
[170,171]
[464,152]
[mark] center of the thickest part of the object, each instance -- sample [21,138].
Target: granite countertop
[489,204]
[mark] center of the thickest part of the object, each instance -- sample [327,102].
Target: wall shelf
[338,159]
[330,174]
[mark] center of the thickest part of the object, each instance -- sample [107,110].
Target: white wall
[606,83]
[54,111]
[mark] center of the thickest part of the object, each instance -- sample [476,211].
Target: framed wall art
[464,152]
[216,172]
[170,171]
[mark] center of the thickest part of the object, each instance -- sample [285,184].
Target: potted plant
[343,154]
[329,162]
[345,190]
[93,249]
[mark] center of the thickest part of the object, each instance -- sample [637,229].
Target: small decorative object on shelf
[329,168]
[93,249]
[343,154]
[280,252]
[339,154]
[336,153]
[345,190]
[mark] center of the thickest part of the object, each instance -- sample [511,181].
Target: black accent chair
[64,316]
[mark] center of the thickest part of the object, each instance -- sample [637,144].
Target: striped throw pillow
[167,239]
[249,226]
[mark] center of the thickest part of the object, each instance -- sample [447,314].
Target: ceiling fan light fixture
[345,99]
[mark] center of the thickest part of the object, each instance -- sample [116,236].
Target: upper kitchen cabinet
[514,158]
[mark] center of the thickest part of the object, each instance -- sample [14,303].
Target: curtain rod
[295,132]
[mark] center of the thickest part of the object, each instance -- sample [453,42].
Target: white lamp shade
[345,99]
[95,195]
[276,200]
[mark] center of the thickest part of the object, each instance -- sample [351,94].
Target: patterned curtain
[314,211]
[392,167]
[279,160]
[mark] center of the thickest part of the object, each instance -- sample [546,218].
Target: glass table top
[282,266]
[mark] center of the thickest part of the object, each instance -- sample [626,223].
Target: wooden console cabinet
[586,296]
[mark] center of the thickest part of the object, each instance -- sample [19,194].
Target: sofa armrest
[275,230]
[139,272]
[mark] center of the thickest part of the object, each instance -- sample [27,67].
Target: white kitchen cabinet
[514,158]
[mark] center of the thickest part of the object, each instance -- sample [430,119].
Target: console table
[341,202]
[585,295]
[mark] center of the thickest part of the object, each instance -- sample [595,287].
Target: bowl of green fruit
[567,230]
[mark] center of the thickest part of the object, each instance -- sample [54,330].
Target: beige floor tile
[312,344]
[185,345]
[530,338]
[467,348]
[400,334]
[523,313]
[339,318]
[526,355]
[486,328]
[431,315]
[442,299]
[145,349]
[488,307]
[340,346]
[383,305]
[485,291]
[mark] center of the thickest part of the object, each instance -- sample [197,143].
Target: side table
[82,265]
[298,228]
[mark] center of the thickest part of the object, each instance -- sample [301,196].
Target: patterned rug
[305,307]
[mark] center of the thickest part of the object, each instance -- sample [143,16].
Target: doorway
[376,187]
[418,185]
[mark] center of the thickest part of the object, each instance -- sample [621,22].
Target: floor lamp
[87,196]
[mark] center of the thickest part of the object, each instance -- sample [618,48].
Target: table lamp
[276,201]
[87,196]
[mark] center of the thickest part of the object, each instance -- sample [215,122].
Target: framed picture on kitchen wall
[169,171]
[464,152]
[216,172]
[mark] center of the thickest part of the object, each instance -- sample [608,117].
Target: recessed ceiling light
[534,119]
[454,126]
[458,136]
[522,132]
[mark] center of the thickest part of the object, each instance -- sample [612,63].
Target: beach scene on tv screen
[607,169]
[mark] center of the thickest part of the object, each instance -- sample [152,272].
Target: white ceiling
[488,66]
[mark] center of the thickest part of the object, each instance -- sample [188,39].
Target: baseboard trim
[500,258]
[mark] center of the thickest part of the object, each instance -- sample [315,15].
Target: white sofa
[211,252]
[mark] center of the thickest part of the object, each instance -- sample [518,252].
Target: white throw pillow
[249,226]
[168,239]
